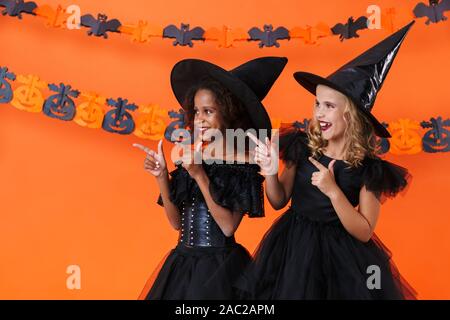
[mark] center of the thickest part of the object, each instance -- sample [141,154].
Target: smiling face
[211,108]
[329,111]
[206,114]
[340,128]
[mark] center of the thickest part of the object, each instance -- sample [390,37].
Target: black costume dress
[206,263]
[308,254]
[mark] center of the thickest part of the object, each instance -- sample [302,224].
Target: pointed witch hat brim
[250,82]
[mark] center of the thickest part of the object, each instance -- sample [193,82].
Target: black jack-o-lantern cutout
[119,120]
[437,139]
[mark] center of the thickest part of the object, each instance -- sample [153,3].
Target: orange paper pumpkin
[150,122]
[29,97]
[91,112]
[405,137]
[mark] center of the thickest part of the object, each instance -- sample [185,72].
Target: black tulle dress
[206,263]
[308,254]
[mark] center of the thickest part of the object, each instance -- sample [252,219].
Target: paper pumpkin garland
[150,121]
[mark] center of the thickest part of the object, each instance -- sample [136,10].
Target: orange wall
[72,195]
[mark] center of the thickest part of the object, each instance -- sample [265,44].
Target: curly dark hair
[232,112]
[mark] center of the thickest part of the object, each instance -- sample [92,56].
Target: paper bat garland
[226,36]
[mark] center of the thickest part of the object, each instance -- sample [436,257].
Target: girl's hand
[266,155]
[155,163]
[191,160]
[324,178]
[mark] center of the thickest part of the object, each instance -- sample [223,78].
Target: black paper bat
[434,12]
[183,36]
[101,25]
[15,8]
[268,37]
[348,30]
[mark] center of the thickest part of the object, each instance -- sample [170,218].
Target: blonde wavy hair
[359,135]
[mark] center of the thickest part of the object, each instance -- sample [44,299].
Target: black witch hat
[250,82]
[362,78]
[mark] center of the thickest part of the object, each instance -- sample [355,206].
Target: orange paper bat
[310,35]
[387,20]
[55,18]
[142,32]
[226,36]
